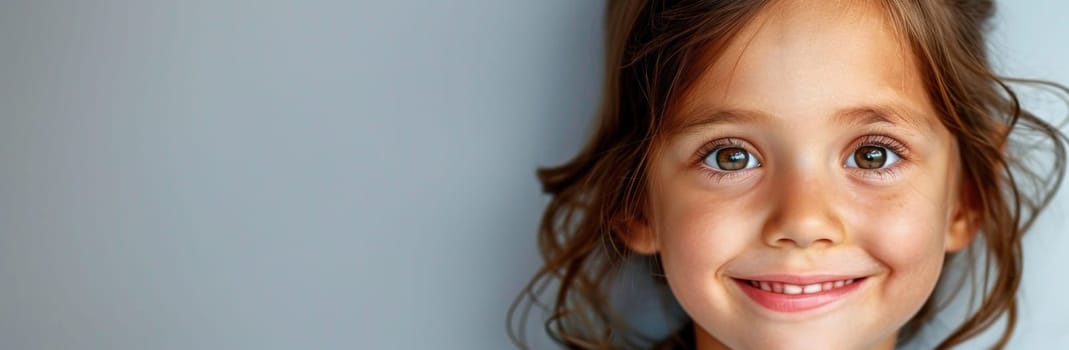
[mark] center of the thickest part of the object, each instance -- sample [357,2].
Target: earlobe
[637,235]
[963,227]
[959,236]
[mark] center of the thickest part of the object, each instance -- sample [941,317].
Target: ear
[637,235]
[964,222]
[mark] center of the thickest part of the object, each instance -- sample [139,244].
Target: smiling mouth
[797,297]
[794,289]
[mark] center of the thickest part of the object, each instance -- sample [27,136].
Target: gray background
[320,174]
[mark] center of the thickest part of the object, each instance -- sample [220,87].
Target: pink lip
[797,302]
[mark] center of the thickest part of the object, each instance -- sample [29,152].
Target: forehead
[812,59]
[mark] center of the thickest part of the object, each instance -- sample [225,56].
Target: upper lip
[799,279]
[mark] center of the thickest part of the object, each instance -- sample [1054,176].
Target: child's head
[798,168]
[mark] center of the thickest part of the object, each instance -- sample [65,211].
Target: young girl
[797,171]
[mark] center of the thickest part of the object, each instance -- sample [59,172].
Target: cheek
[905,231]
[699,233]
[901,229]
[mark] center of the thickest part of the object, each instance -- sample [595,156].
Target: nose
[803,211]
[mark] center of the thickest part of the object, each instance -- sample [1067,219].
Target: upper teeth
[787,288]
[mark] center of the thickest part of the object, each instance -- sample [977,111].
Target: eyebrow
[720,116]
[852,117]
[881,114]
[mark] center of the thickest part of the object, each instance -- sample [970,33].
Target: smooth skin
[797,96]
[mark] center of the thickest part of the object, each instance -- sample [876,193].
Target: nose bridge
[803,208]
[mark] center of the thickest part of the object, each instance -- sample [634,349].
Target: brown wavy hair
[654,52]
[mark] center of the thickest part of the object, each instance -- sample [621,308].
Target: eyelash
[888,143]
[870,140]
[706,150]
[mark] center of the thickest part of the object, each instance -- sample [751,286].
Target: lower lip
[796,302]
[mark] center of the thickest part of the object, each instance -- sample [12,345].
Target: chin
[802,336]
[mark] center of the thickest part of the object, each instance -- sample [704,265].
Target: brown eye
[731,159]
[871,157]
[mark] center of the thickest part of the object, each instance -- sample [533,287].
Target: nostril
[804,243]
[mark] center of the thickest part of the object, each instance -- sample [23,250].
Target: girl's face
[807,193]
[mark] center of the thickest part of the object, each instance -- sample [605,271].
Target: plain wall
[321,174]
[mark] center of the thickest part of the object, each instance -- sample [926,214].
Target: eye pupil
[870,157]
[732,158]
